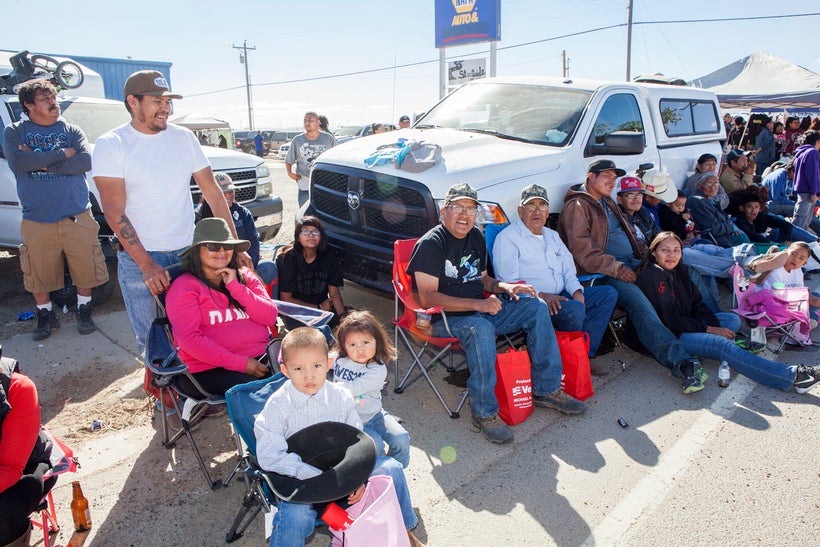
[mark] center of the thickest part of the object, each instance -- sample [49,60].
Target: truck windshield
[533,113]
[94,117]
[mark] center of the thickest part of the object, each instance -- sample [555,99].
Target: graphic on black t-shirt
[472,272]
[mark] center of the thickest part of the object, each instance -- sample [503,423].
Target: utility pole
[243,58]
[564,64]
[629,44]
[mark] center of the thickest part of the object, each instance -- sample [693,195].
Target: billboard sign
[460,72]
[460,22]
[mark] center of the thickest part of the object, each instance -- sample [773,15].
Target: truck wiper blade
[500,135]
[426,126]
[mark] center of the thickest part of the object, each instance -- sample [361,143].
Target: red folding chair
[426,351]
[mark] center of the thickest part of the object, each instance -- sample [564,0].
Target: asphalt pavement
[733,466]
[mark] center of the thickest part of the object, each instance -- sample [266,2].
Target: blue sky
[300,40]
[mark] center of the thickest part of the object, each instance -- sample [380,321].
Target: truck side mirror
[617,143]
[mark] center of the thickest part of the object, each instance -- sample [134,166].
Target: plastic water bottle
[724,374]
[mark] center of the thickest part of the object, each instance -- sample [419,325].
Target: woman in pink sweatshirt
[220,313]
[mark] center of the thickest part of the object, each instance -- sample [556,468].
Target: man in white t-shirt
[143,170]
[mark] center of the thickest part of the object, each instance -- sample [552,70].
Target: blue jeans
[709,259]
[302,197]
[385,429]
[295,521]
[591,317]
[139,303]
[803,211]
[787,210]
[762,371]
[477,334]
[659,340]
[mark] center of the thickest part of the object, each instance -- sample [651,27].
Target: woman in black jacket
[665,282]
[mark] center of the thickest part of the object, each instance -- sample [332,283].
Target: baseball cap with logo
[148,82]
[533,191]
[734,154]
[225,181]
[660,185]
[404,118]
[462,190]
[599,166]
[630,184]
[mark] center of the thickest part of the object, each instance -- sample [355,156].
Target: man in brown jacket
[603,241]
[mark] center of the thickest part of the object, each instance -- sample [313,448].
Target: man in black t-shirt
[449,266]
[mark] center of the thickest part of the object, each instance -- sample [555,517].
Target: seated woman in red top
[220,313]
[24,454]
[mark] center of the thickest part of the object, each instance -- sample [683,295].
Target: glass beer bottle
[79,508]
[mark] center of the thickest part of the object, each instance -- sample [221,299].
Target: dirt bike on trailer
[25,67]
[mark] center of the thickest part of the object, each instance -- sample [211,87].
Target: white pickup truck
[501,135]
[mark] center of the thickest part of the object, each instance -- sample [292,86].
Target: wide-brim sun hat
[212,230]
[345,455]
[660,185]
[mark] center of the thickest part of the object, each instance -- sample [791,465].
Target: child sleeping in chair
[304,400]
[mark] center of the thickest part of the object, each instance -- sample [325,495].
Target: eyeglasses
[458,209]
[314,233]
[709,184]
[633,195]
[532,207]
[215,247]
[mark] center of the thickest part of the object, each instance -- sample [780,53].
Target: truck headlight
[488,213]
[263,188]
[262,170]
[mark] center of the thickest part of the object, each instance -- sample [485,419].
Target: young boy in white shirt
[307,399]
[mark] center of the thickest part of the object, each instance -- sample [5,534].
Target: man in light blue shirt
[528,250]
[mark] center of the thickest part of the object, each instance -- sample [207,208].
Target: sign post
[462,22]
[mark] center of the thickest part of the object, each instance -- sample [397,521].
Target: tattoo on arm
[128,234]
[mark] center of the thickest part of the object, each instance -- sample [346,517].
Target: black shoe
[84,322]
[806,378]
[691,371]
[46,322]
[494,429]
[561,402]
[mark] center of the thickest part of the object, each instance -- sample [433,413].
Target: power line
[514,46]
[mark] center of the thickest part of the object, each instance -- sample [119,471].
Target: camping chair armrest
[170,366]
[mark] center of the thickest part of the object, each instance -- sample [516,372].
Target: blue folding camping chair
[245,402]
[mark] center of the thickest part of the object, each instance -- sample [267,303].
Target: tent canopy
[763,81]
[196,121]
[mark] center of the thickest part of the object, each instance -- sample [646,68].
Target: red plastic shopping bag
[513,386]
[576,380]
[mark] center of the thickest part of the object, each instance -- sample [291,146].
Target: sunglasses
[215,247]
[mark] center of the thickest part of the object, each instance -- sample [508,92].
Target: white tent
[763,82]
[194,121]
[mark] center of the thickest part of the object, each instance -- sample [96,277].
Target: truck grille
[245,182]
[390,208]
[364,213]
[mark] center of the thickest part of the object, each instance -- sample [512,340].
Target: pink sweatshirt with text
[210,333]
